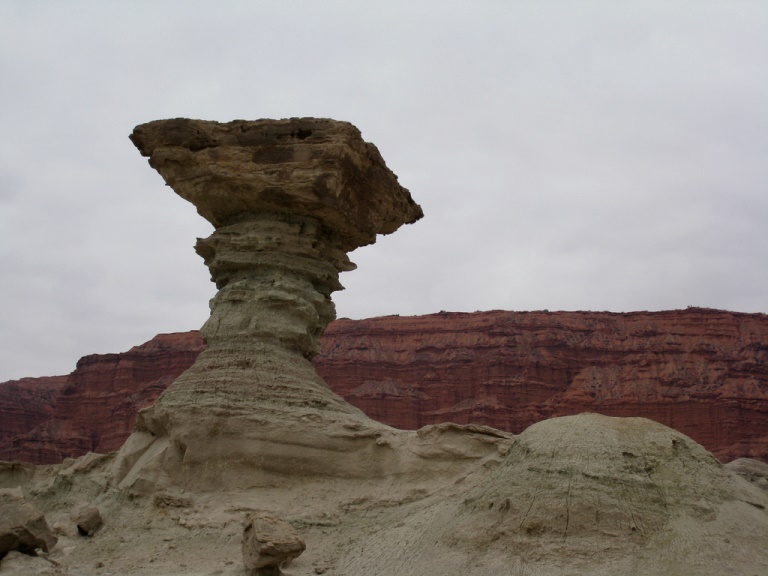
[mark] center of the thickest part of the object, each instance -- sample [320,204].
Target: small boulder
[22,526]
[88,519]
[268,543]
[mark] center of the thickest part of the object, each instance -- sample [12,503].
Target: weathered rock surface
[269,543]
[288,200]
[751,470]
[313,167]
[87,518]
[703,372]
[22,527]
[18,564]
[586,494]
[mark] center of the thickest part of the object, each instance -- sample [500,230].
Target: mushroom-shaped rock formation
[288,199]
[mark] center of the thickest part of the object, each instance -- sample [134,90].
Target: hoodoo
[288,200]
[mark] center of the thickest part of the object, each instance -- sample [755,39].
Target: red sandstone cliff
[94,408]
[24,405]
[703,372]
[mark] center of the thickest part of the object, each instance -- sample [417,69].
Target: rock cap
[304,166]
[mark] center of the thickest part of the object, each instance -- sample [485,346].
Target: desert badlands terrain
[249,464]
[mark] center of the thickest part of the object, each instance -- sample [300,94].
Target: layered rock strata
[28,405]
[703,372]
[288,200]
[45,420]
[586,494]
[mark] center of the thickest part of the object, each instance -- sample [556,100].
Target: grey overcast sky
[569,155]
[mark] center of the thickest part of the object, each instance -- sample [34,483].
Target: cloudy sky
[568,155]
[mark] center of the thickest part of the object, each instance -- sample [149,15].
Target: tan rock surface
[751,470]
[18,564]
[582,495]
[588,494]
[269,544]
[87,518]
[310,166]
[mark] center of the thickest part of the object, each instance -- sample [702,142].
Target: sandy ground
[587,496]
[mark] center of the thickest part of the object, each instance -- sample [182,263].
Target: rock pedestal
[288,200]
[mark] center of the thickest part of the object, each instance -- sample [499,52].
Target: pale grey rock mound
[269,543]
[751,470]
[586,494]
[18,564]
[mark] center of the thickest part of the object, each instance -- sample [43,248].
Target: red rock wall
[96,406]
[24,405]
[703,372]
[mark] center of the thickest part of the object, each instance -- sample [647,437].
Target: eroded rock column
[275,274]
[288,200]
